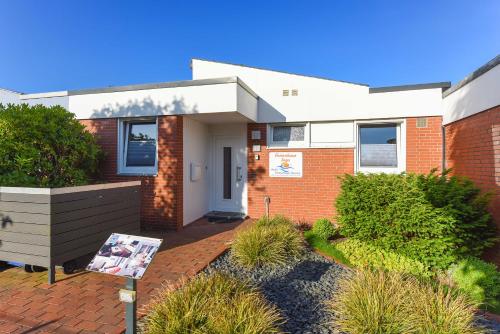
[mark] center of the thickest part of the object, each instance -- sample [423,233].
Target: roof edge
[474,75]
[11,91]
[443,85]
[278,71]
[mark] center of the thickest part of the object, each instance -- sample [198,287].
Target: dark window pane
[227,173]
[141,146]
[378,146]
[288,133]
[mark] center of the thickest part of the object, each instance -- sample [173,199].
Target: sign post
[128,256]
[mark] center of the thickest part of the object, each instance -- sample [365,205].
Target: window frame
[400,147]
[288,144]
[123,131]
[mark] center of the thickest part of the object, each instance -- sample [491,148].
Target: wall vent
[295,92]
[286,92]
[422,122]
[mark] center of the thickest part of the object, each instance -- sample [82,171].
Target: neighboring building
[235,135]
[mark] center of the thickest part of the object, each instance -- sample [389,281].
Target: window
[138,147]
[288,135]
[379,148]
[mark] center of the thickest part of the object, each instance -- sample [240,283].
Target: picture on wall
[125,255]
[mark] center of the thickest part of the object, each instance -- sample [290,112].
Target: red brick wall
[473,150]
[424,145]
[308,198]
[162,194]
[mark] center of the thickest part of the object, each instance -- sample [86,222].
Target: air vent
[422,122]
[295,92]
[286,92]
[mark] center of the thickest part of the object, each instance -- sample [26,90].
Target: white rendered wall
[478,95]
[48,100]
[7,96]
[321,99]
[196,145]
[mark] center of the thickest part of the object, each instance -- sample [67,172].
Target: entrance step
[224,216]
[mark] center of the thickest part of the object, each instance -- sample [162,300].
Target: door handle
[239,175]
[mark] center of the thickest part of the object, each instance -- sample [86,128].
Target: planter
[45,227]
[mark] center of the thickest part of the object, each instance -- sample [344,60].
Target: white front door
[229,174]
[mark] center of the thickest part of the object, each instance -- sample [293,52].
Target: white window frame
[289,144]
[123,130]
[401,147]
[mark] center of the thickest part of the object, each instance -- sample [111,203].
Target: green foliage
[362,254]
[378,302]
[45,147]
[276,220]
[434,219]
[323,228]
[326,247]
[212,303]
[480,280]
[267,243]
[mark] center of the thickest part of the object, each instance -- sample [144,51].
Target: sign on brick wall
[285,164]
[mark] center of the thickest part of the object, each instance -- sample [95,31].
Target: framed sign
[125,255]
[285,164]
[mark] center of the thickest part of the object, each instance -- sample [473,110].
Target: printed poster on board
[285,164]
[125,255]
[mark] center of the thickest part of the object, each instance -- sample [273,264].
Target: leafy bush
[480,280]
[267,243]
[323,228]
[44,147]
[212,303]
[430,218]
[362,254]
[383,302]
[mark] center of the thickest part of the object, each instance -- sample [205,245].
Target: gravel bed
[299,290]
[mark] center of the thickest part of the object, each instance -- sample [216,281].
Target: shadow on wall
[161,194]
[470,151]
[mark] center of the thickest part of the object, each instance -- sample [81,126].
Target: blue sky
[56,45]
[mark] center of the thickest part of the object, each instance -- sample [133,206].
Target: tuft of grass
[212,303]
[273,221]
[480,280]
[271,243]
[376,302]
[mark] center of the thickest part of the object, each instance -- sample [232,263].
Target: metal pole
[131,308]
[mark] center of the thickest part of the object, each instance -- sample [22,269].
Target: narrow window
[378,145]
[227,173]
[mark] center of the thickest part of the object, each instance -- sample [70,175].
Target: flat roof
[474,75]
[172,84]
[443,85]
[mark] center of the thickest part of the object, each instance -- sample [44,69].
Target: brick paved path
[88,302]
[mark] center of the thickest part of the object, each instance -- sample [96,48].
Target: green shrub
[323,228]
[381,302]
[267,244]
[362,254]
[480,280]
[212,303]
[45,147]
[430,218]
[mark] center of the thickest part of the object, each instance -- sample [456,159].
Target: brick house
[235,135]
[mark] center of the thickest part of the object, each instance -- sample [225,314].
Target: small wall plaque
[256,148]
[256,135]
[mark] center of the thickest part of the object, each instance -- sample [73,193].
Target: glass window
[288,133]
[378,145]
[141,146]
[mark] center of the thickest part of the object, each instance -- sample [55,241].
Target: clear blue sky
[56,45]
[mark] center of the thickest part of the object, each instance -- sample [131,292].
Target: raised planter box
[53,226]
